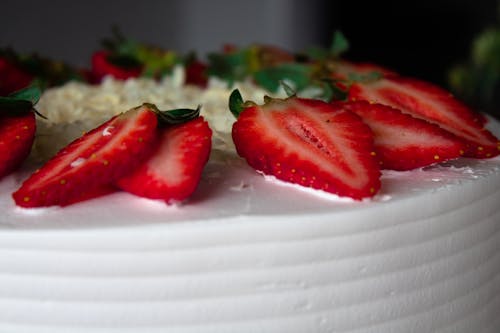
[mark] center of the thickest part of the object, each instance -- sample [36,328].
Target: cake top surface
[229,190]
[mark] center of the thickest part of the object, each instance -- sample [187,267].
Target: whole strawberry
[196,73]
[12,78]
[18,71]
[105,63]
[124,58]
[307,142]
[17,128]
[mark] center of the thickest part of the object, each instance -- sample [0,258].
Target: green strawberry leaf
[334,90]
[339,45]
[21,101]
[124,61]
[316,53]
[299,75]
[365,77]
[236,103]
[175,116]
[231,67]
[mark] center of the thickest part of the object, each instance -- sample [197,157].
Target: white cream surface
[245,254]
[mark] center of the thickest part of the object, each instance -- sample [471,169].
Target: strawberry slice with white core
[402,141]
[92,162]
[173,171]
[308,142]
[429,102]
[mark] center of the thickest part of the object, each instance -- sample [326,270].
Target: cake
[248,253]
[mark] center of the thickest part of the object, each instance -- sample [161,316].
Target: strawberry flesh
[92,162]
[402,141]
[173,171]
[429,102]
[310,143]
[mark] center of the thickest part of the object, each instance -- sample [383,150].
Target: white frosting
[247,255]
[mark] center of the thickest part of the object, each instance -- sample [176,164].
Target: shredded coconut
[76,107]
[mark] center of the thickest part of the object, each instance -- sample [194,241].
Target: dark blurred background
[418,38]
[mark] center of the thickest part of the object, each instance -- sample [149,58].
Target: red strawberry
[402,141]
[17,128]
[92,162]
[174,170]
[429,102]
[196,73]
[17,133]
[12,78]
[345,69]
[307,142]
[103,63]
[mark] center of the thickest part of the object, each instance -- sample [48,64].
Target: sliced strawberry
[402,141]
[103,65]
[173,171]
[92,193]
[308,142]
[93,161]
[429,102]
[17,133]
